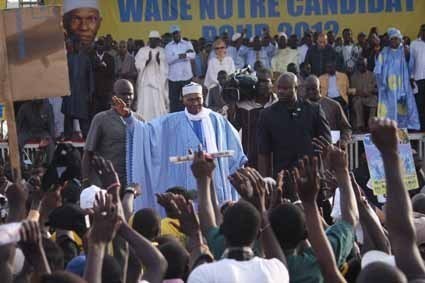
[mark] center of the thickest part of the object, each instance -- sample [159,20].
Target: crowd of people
[379,74]
[218,161]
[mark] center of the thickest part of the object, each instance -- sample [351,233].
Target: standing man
[364,82]
[152,85]
[178,53]
[81,21]
[76,106]
[152,145]
[350,52]
[107,137]
[417,61]
[284,56]
[238,51]
[248,111]
[215,100]
[261,51]
[333,110]
[319,55]
[125,64]
[307,44]
[104,78]
[286,129]
[395,100]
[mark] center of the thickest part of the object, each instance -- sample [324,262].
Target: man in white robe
[150,146]
[152,85]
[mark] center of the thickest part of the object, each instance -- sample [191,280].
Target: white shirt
[332,87]
[302,52]
[417,59]
[255,270]
[214,67]
[179,69]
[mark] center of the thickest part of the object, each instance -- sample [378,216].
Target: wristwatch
[130,190]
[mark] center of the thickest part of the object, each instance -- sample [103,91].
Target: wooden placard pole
[6,88]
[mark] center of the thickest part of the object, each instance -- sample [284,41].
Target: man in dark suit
[286,129]
[104,77]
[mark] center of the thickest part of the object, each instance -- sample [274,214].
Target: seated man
[333,111]
[364,82]
[35,122]
[335,84]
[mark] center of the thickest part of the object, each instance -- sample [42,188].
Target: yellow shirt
[168,229]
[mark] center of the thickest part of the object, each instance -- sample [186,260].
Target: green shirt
[304,267]
[216,243]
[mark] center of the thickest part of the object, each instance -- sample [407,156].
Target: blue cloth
[199,68]
[81,82]
[197,128]
[395,100]
[77,265]
[265,56]
[239,56]
[150,145]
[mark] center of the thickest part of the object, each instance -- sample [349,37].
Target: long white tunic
[152,84]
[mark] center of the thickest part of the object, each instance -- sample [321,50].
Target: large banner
[208,18]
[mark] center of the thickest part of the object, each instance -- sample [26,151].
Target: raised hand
[120,107]
[286,181]
[336,159]
[321,145]
[384,134]
[32,247]
[276,194]
[202,165]
[107,174]
[167,202]
[307,179]
[105,221]
[251,186]
[189,221]
[30,234]
[242,184]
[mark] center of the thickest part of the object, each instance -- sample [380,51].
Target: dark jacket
[318,58]
[288,133]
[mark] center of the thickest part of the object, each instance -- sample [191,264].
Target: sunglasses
[220,47]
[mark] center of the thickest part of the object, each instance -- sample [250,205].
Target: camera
[240,86]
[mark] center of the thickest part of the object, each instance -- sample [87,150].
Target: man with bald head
[286,129]
[320,54]
[107,136]
[333,110]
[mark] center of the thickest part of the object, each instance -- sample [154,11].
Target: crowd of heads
[68,234]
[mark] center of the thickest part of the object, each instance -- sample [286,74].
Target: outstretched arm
[202,169]
[398,208]
[308,184]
